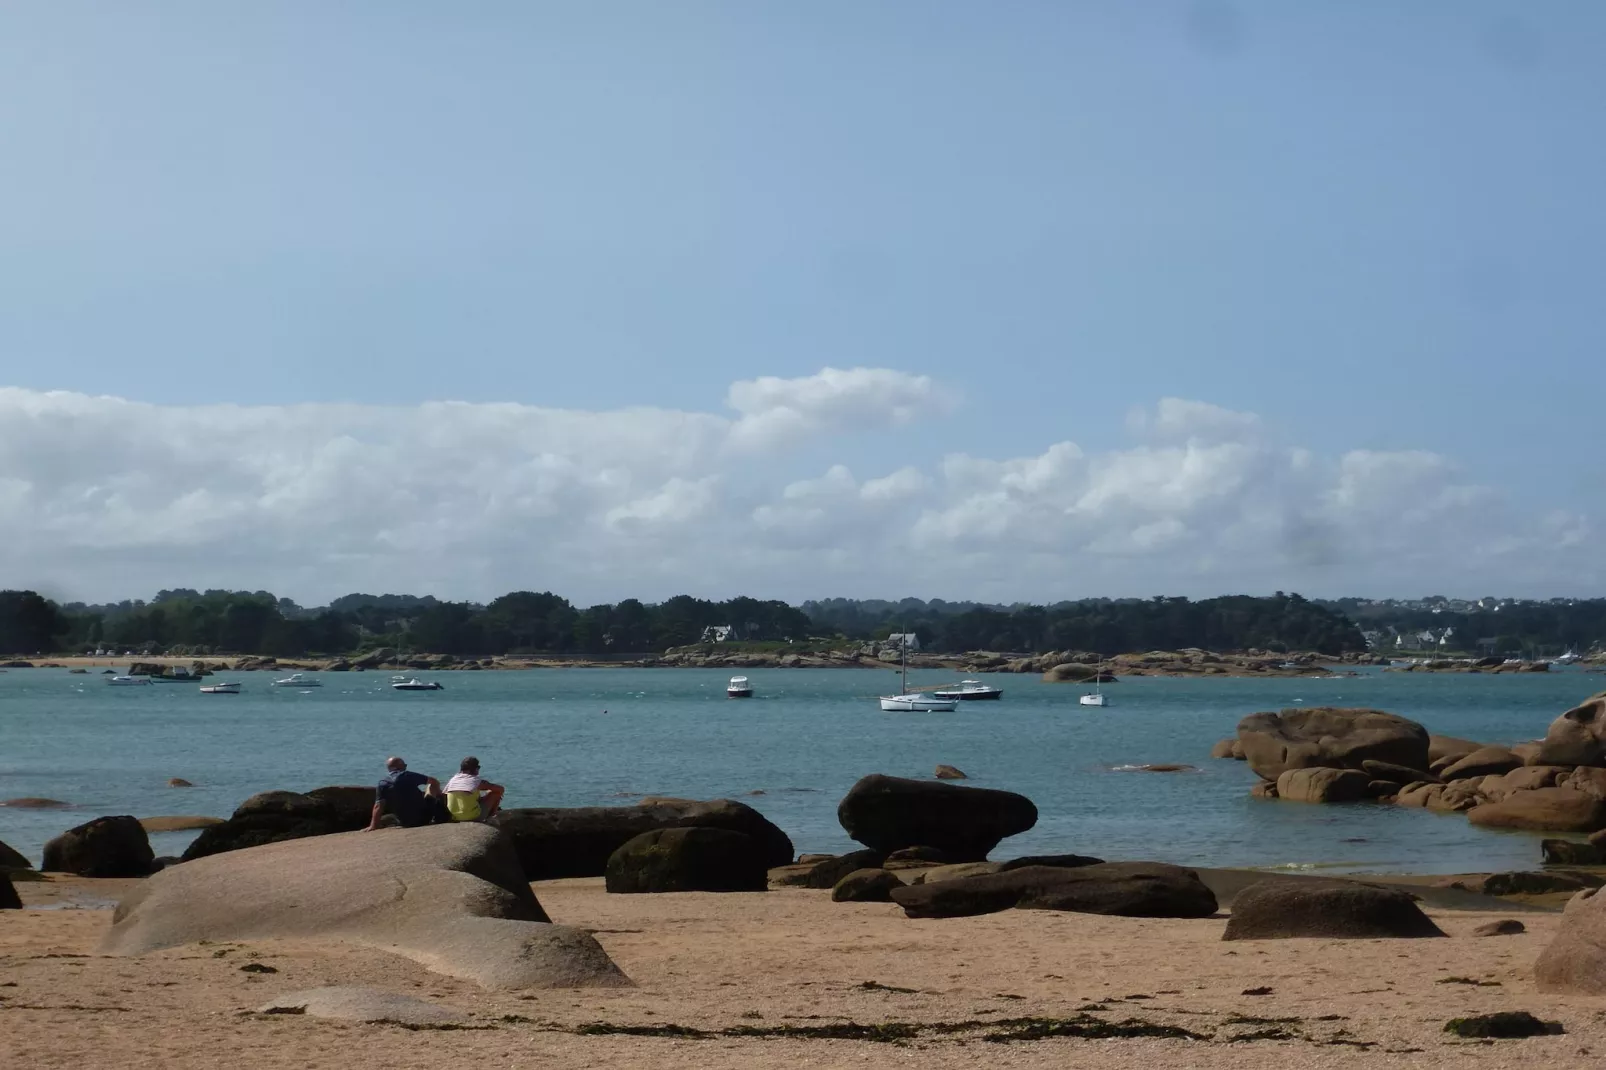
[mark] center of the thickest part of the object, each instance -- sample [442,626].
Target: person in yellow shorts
[470,797]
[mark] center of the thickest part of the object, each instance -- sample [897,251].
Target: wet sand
[792,958]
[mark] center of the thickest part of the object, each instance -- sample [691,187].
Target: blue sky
[1376,226]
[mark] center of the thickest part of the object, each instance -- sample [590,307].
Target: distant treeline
[1108,626]
[1535,629]
[244,622]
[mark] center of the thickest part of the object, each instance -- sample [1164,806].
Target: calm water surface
[575,737]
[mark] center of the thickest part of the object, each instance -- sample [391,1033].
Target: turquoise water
[573,737]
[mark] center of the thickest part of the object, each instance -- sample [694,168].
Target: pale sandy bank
[793,958]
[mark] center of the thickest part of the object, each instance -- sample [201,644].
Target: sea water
[603,737]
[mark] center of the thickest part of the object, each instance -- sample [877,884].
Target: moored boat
[220,689]
[129,681]
[414,684]
[739,688]
[297,679]
[914,702]
[970,691]
[175,674]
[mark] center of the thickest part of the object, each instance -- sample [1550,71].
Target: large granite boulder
[1128,889]
[1330,909]
[1452,748]
[1577,737]
[1575,960]
[276,816]
[1316,784]
[1560,809]
[888,813]
[1332,737]
[690,859]
[10,858]
[1484,761]
[9,900]
[555,842]
[451,897]
[104,847]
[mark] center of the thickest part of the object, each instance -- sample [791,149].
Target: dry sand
[790,957]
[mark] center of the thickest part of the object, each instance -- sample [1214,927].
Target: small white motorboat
[221,689]
[739,688]
[917,703]
[297,679]
[129,681]
[1095,699]
[414,684]
[969,691]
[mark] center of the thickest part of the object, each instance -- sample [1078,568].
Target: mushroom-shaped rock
[887,813]
[866,886]
[1543,810]
[688,860]
[555,842]
[1577,737]
[1320,785]
[1484,761]
[1332,737]
[104,847]
[1129,889]
[1332,909]
[1575,960]
[449,896]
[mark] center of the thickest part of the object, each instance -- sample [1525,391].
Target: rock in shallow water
[1331,737]
[1559,809]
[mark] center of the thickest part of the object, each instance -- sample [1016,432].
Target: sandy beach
[792,958]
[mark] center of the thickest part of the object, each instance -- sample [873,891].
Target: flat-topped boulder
[1558,809]
[451,897]
[1330,909]
[1330,737]
[1128,889]
[554,842]
[964,823]
[1577,737]
[105,847]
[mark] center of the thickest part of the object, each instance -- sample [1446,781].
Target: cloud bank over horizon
[103,498]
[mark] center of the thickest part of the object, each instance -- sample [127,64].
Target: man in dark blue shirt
[398,794]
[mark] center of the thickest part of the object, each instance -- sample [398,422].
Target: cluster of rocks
[1329,755]
[1473,665]
[1080,666]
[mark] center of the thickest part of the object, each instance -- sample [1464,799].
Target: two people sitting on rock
[469,796]
[466,797]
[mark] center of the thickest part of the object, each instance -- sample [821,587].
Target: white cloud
[775,412]
[102,498]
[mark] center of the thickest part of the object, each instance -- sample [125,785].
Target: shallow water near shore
[586,737]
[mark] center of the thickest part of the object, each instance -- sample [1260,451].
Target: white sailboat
[914,702]
[1097,697]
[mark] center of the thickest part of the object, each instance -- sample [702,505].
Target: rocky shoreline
[1069,666]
